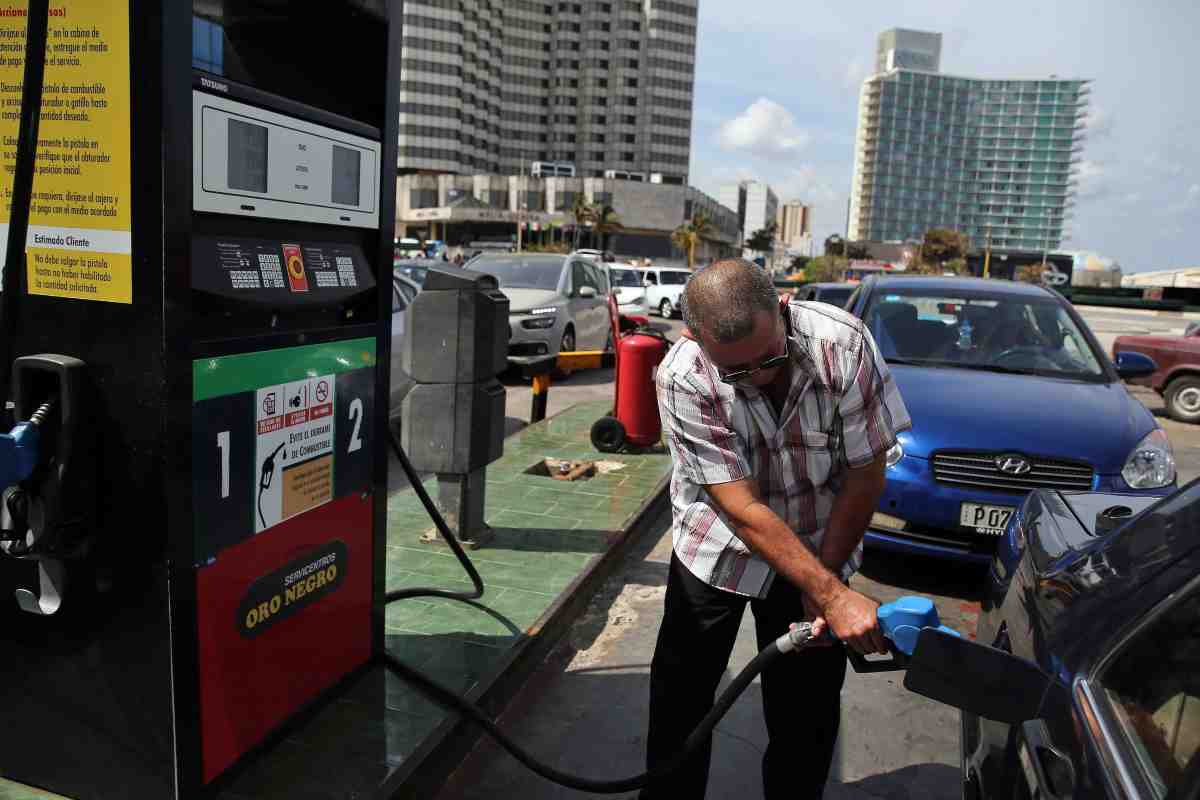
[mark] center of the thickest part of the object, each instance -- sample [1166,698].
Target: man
[778,418]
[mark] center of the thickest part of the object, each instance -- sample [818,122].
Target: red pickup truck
[1177,378]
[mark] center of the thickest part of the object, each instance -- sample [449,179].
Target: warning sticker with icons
[294,447]
[294,265]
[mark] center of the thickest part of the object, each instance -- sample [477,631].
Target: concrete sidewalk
[584,710]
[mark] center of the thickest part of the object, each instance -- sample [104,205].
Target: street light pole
[522,197]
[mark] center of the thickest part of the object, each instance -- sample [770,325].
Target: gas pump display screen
[346,168]
[248,157]
[279,273]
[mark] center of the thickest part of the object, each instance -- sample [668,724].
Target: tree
[942,245]
[607,223]
[584,214]
[689,234]
[853,250]
[763,239]
[824,268]
[835,246]
[799,263]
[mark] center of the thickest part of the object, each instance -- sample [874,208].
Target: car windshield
[673,278]
[522,272]
[625,277]
[993,331]
[837,297]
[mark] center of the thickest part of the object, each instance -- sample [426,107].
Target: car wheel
[567,345]
[665,309]
[1183,399]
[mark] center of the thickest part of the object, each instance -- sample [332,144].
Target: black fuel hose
[796,638]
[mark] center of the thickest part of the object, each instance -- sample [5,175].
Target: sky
[777,84]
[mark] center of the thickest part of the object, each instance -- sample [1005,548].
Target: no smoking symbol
[322,392]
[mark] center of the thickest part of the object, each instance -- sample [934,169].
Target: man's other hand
[853,618]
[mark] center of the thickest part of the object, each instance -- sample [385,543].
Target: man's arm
[852,511]
[850,615]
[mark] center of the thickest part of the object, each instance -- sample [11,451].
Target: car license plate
[985,519]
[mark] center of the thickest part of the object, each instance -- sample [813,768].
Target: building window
[597,156]
[631,82]
[422,198]
[599,119]
[628,119]
[628,138]
[598,138]
[604,44]
[631,101]
[631,63]
[627,156]
[602,83]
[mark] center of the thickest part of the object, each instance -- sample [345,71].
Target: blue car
[1008,391]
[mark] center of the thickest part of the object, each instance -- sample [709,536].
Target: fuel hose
[795,639]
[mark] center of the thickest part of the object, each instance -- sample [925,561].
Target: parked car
[556,303]
[1177,378]
[836,294]
[1101,695]
[664,289]
[404,291]
[627,285]
[1008,391]
[415,268]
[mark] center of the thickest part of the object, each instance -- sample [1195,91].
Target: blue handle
[901,622]
[18,453]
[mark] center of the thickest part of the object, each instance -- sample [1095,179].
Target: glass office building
[994,159]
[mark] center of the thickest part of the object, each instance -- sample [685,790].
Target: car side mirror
[587,292]
[979,679]
[1134,365]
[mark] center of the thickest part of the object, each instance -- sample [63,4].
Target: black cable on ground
[452,700]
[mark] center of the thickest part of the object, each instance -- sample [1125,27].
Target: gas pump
[192,531]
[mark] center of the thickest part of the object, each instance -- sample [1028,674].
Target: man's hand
[852,617]
[813,614]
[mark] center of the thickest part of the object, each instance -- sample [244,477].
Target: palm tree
[607,223]
[689,234]
[584,214]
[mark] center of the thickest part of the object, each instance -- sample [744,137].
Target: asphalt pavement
[585,708]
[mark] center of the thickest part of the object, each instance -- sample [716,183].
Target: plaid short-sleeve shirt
[843,409]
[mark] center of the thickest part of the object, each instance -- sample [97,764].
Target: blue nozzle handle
[18,453]
[901,622]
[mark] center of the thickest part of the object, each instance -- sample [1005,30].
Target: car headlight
[894,454]
[538,322]
[1151,465]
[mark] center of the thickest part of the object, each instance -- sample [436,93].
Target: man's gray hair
[723,299]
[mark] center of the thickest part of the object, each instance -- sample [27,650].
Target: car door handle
[1049,773]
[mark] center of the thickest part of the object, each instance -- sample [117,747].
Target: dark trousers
[801,691]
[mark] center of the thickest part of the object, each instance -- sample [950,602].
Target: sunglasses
[740,375]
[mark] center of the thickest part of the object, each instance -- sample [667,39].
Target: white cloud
[1093,179]
[765,127]
[1099,123]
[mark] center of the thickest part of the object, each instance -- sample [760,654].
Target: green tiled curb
[555,542]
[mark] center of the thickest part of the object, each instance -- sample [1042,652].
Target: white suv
[664,289]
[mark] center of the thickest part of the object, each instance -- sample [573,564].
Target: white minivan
[627,285]
[664,289]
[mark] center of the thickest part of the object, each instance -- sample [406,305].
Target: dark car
[836,294]
[1008,391]
[1177,378]
[1100,697]
[415,269]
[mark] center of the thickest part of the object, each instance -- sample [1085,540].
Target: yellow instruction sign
[80,244]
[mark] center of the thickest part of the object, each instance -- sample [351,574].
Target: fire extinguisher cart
[634,419]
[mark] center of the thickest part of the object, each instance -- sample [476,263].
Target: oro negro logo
[291,588]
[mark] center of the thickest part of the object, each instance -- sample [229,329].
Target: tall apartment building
[898,48]
[756,203]
[489,86]
[994,159]
[793,223]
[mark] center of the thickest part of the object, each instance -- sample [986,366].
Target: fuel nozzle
[19,450]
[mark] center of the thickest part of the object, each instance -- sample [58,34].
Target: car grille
[979,470]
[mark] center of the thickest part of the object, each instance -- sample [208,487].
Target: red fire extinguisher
[635,421]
